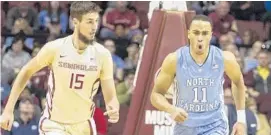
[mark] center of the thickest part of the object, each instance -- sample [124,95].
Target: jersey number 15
[76,81]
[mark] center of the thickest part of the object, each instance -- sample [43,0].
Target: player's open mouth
[200,46]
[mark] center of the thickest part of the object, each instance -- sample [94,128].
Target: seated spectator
[37,7]
[230,110]
[21,28]
[120,15]
[251,61]
[23,11]
[125,89]
[234,37]
[120,42]
[133,54]
[262,74]
[119,64]
[25,94]
[224,40]
[39,80]
[242,10]
[5,91]
[248,76]
[54,18]
[16,57]
[249,37]
[25,123]
[223,22]
[263,127]
[5,7]
[7,75]
[232,48]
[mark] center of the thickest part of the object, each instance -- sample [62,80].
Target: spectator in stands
[54,18]
[230,110]
[5,7]
[119,64]
[120,15]
[5,91]
[251,61]
[248,76]
[125,89]
[224,40]
[120,41]
[7,75]
[37,7]
[23,11]
[223,22]
[21,25]
[25,123]
[263,127]
[234,37]
[242,10]
[16,57]
[249,37]
[262,74]
[38,81]
[203,7]
[132,59]
[232,48]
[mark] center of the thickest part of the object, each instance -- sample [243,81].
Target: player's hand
[178,114]
[113,114]
[238,129]
[6,120]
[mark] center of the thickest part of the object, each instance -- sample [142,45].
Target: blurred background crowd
[240,27]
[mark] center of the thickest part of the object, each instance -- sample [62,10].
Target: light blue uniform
[200,92]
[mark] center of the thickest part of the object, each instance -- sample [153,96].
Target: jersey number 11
[204,97]
[76,81]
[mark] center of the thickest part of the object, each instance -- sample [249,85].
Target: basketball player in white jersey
[77,66]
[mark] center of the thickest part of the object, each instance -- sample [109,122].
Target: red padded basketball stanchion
[167,32]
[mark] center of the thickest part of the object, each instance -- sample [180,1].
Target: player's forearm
[238,91]
[109,93]
[18,86]
[160,102]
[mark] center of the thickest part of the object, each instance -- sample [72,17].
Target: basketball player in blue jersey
[198,106]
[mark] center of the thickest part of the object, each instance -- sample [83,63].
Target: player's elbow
[153,97]
[26,71]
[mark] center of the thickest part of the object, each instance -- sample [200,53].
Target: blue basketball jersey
[199,88]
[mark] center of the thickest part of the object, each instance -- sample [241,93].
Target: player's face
[87,26]
[199,35]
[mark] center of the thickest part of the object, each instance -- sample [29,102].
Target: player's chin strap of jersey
[241,116]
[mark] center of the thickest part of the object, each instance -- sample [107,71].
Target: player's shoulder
[100,48]
[171,58]
[58,43]
[228,56]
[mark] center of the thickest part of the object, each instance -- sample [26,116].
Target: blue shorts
[219,127]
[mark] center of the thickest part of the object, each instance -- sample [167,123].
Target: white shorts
[49,127]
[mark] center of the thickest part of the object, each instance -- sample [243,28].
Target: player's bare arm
[161,85]
[34,65]
[108,89]
[233,71]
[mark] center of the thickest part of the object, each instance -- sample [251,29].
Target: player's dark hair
[202,18]
[79,8]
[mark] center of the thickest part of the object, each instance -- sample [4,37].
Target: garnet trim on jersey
[93,88]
